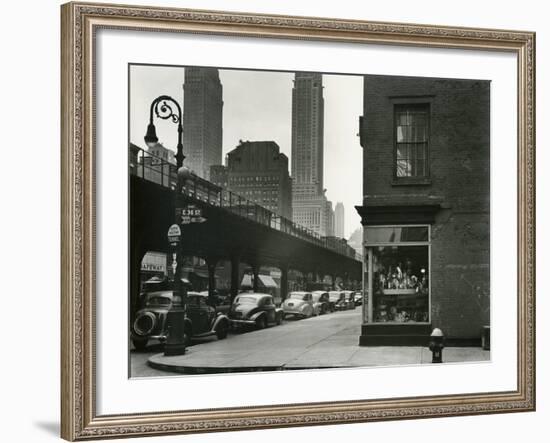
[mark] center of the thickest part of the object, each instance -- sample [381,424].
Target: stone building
[314,213]
[425,209]
[162,153]
[311,208]
[202,119]
[307,134]
[258,171]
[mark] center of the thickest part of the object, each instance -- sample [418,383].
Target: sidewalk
[329,341]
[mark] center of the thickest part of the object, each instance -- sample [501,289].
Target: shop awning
[266,281]
[247,280]
[381,210]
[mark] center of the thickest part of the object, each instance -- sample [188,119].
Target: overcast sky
[258,106]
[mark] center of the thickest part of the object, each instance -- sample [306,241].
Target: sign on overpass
[189,214]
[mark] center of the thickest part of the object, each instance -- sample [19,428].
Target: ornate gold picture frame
[80,22]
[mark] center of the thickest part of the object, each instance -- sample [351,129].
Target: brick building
[425,211]
[257,171]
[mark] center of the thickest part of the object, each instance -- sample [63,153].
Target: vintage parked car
[349,296]
[358,298]
[255,309]
[299,304]
[337,300]
[321,303]
[222,301]
[202,319]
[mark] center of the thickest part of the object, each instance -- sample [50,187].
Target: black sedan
[202,319]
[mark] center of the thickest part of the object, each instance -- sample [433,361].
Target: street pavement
[327,341]
[139,366]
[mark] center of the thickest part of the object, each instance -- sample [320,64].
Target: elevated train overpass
[236,229]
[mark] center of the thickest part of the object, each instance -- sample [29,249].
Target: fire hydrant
[437,343]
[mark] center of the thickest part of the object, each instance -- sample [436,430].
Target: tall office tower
[310,207]
[202,119]
[307,134]
[339,220]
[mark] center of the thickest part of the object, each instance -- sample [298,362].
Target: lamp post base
[174,349]
[177,337]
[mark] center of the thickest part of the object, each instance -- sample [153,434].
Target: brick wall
[459,161]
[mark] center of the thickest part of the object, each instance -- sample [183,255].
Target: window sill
[411,182]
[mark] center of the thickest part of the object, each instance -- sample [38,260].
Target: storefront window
[398,274]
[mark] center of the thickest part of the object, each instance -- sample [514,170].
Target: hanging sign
[174,234]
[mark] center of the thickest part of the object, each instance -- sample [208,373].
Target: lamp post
[176,318]
[161,107]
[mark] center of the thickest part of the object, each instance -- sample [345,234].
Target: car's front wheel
[140,343]
[222,330]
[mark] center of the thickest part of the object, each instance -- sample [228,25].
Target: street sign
[174,234]
[191,211]
[190,214]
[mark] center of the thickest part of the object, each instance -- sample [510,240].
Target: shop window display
[400,274]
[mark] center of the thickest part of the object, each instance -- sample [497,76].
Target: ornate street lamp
[161,106]
[176,324]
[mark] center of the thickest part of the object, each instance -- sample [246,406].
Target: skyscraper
[310,207]
[339,220]
[307,134]
[202,119]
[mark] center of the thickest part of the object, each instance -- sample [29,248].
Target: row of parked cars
[303,304]
[205,318]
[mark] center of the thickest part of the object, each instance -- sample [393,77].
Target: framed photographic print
[282,221]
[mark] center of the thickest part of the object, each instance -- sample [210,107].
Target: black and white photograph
[275,221]
[306,220]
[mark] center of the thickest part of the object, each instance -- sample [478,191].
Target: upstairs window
[411,141]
